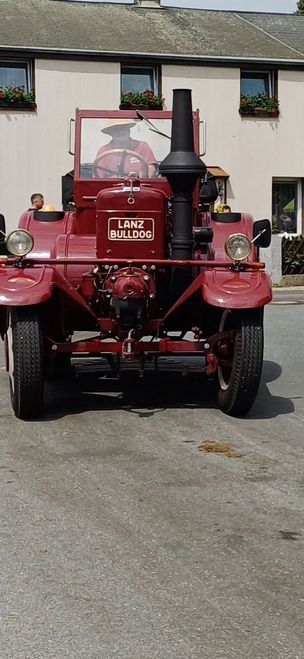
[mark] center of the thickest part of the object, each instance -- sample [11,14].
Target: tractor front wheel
[25,361]
[242,360]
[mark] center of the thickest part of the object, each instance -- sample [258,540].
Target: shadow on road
[266,405]
[153,393]
[143,396]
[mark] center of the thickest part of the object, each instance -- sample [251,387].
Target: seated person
[223,208]
[37,201]
[123,154]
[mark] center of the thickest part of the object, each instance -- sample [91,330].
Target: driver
[120,164]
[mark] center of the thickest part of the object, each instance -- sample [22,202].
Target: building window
[139,79]
[286,206]
[258,82]
[258,94]
[16,85]
[15,74]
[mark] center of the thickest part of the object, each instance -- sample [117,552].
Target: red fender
[236,290]
[30,286]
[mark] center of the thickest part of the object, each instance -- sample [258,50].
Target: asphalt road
[121,539]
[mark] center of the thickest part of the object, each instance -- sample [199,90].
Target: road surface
[122,538]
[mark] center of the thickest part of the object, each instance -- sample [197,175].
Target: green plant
[300,6]
[146,98]
[15,95]
[293,262]
[293,255]
[259,102]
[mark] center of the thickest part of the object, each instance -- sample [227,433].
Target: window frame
[155,71]
[29,65]
[271,75]
[299,198]
[268,105]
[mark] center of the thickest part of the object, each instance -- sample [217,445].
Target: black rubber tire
[27,368]
[242,386]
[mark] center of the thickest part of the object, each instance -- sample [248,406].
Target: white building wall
[251,149]
[34,146]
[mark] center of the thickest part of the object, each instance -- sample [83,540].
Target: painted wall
[34,146]
[251,150]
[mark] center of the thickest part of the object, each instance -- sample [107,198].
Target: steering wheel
[124,153]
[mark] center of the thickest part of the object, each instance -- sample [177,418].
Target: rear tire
[239,384]
[25,362]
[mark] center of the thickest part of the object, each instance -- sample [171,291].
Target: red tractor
[136,263]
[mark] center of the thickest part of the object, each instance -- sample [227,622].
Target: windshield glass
[113,148]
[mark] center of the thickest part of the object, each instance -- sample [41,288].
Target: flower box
[259,105]
[16,98]
[17,105]
[140,106]
[259,112]
[141,101]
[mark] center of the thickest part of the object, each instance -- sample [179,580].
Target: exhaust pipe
[183,168]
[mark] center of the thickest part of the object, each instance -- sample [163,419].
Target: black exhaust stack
[183,168]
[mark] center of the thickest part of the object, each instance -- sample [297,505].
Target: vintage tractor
[135,263]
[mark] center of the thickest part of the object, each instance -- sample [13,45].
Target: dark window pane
[14,75]
[285,205]
[137,79]
[254,83]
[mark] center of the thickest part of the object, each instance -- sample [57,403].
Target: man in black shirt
[37,201]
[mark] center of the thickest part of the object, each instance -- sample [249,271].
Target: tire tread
[27,396]
[239,397]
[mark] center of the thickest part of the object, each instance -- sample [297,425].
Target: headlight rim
[26,232]
[233,235]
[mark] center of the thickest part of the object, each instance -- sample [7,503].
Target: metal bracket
[72,153]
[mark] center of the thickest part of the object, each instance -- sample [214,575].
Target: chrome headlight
[237,246]
[19,242]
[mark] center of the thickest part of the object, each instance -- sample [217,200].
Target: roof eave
[197,59]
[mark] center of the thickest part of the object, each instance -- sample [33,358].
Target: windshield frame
[122,114]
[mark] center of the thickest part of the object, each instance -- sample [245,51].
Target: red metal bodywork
[110,251]
[137,225]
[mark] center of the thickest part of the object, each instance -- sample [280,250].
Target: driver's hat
[117,124]
[48,208]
